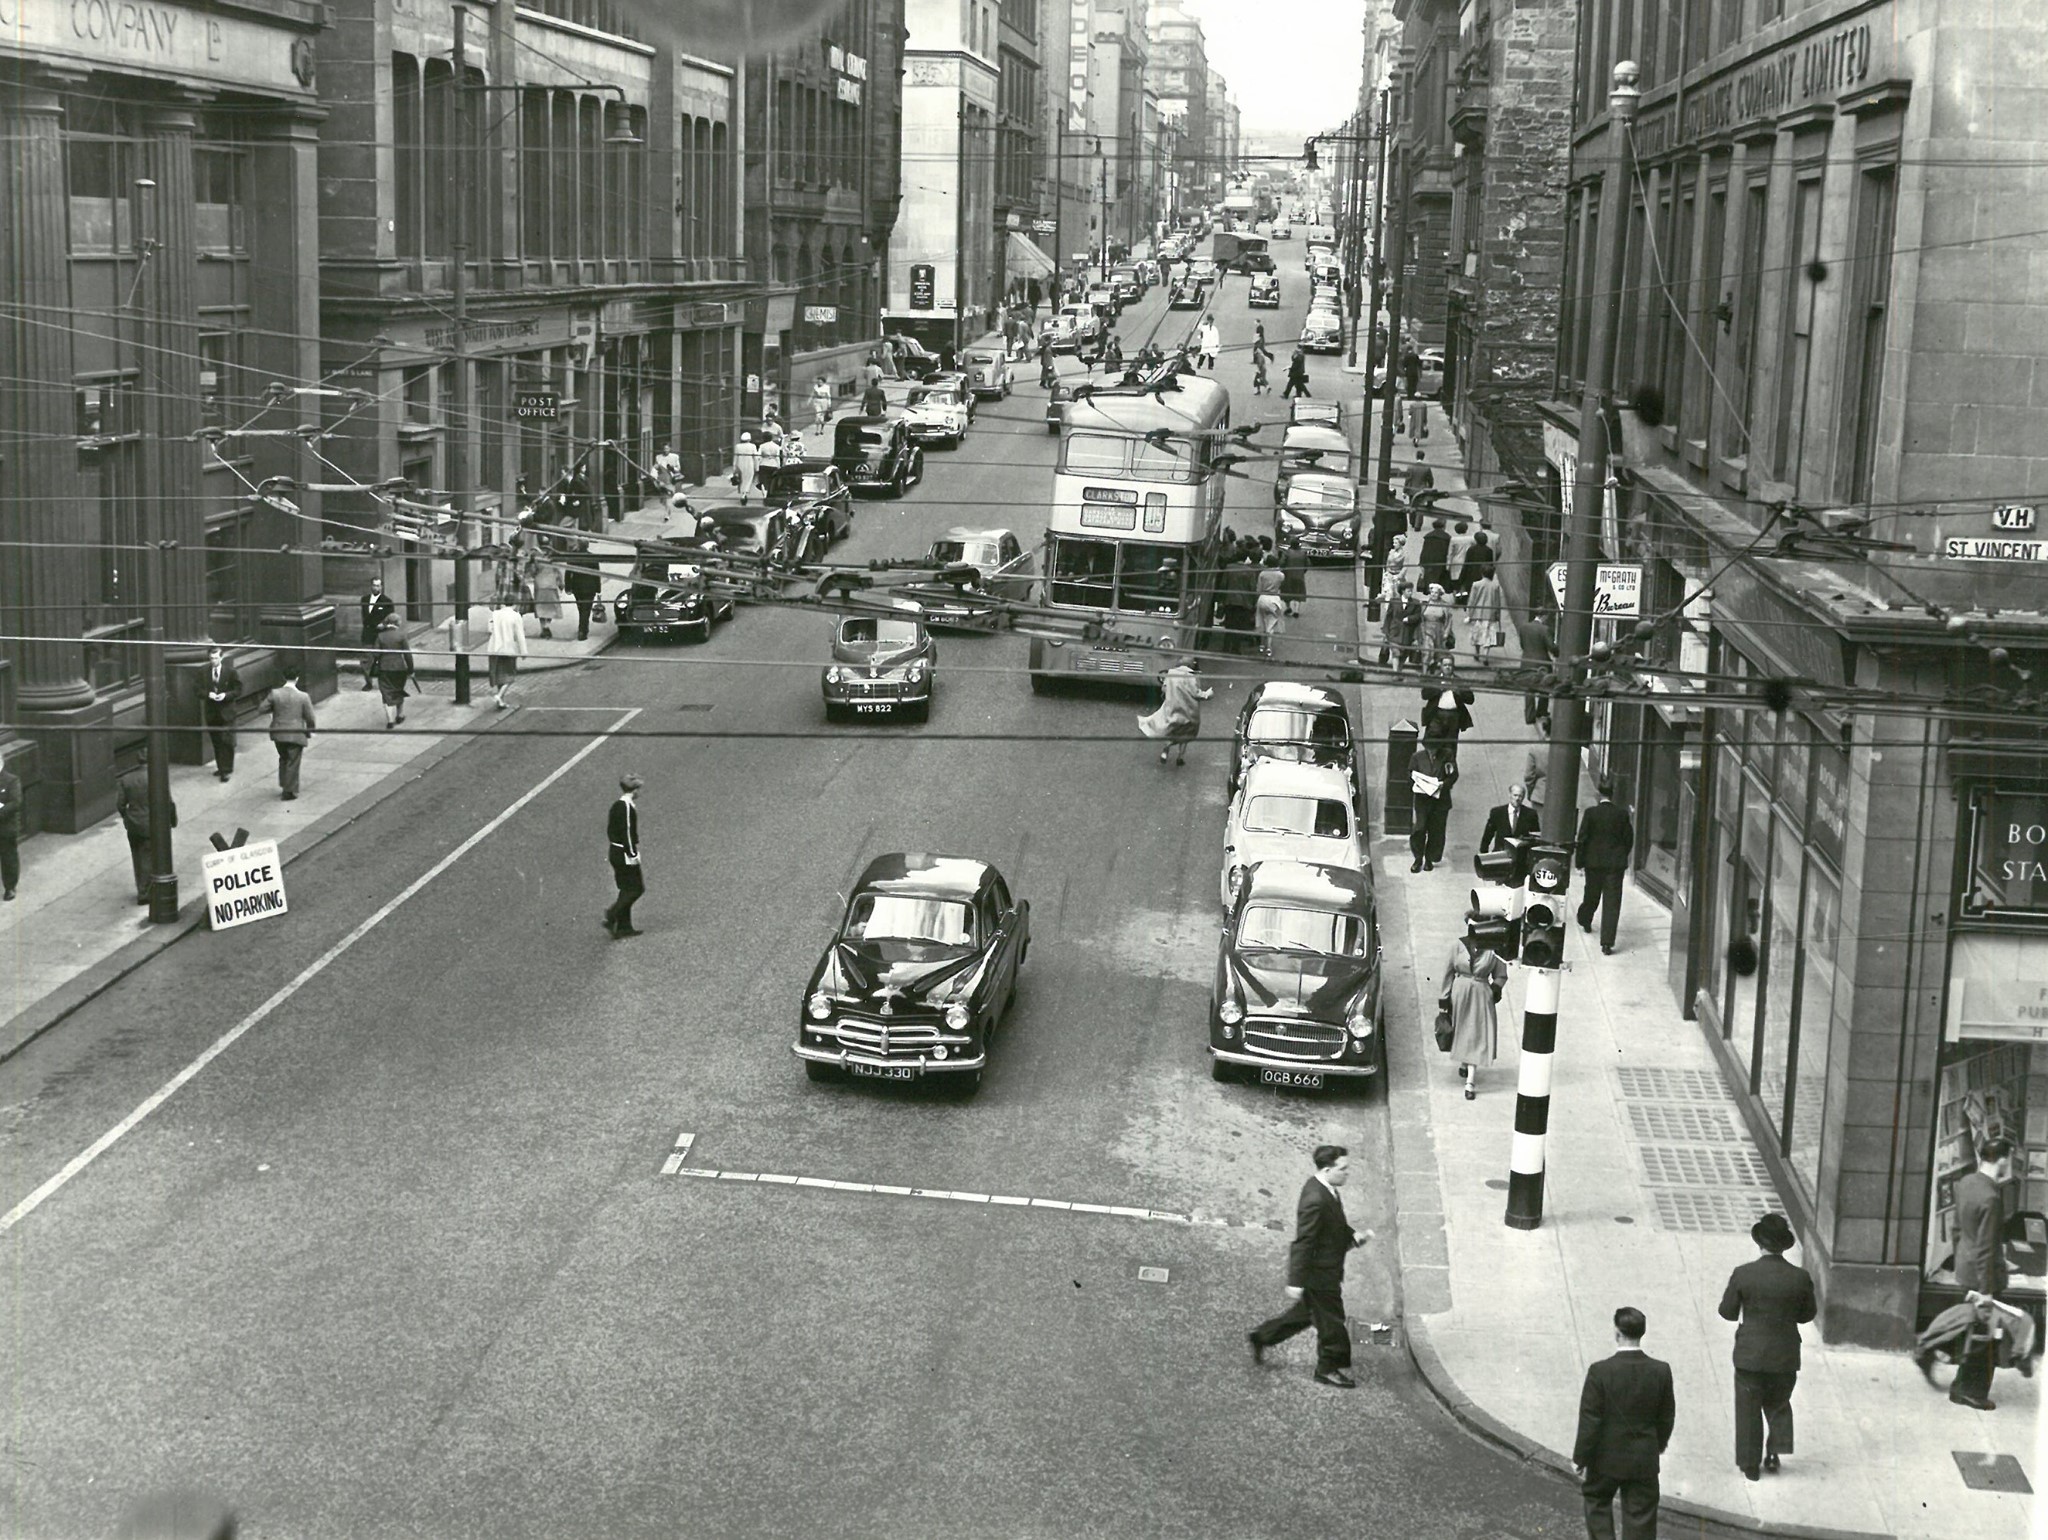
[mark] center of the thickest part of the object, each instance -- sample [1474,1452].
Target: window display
[1993,1090]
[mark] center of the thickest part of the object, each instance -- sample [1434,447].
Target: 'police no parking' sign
[243,884]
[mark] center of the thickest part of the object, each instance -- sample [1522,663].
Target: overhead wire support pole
[1568,721]
[460,438]
[153,336]
[1385,511]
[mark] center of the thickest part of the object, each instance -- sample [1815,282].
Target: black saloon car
[671,597]
[920,974]
[875,454]
[1303,723]
[1297,999]
[816,488]
[884,661]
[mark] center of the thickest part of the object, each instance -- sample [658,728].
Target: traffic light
[1308,154]
[1505,866]
[1497,931]
[1543,919]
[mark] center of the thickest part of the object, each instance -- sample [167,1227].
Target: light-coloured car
[1311,447]
[939,412]
[1323,331]
[988,372]
[1290,812]
[1073,327]
[977,576]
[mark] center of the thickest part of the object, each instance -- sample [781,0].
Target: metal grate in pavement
[1683,1165]
[1710,1213]
[1659,1123]
[1671,1085]
[1991,1472]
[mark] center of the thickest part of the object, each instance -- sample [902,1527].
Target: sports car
[920,975]
[1297,999]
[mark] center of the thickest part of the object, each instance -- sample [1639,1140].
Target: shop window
[1819,949]
[1796,331]
[1780,972]
[1990,1088]
[1747,892]
[1864,319]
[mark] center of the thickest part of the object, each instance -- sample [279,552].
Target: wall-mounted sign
[2008,855]
[821,315]
[1080,34]
[1045,227]
[923,286]
[1617,588]
[2017,516]
[537,406]
[1983,548]
[1997,989]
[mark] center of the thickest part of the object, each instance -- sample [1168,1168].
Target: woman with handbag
[1473,979]
[1179,717]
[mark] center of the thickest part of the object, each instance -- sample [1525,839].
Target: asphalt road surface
[401,1260]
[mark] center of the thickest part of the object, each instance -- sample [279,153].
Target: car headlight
[819,1006]
[1236,880]
[915,673]
[1230,1013]
[1359,1022]
[835,675]
[958,1016]
[1344,526]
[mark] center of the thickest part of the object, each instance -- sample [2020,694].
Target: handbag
[1444,1030]
[600,612]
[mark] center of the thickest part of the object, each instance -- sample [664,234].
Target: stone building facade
[1831,357]
[1177,72]
[943,264]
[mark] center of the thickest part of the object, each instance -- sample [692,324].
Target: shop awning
[1026,260]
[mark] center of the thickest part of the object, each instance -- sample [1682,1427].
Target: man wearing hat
[622,833]
[1772,1299]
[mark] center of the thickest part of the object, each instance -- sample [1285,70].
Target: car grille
[869,689]
[1110,663]
[1294,1039]
[884,1037]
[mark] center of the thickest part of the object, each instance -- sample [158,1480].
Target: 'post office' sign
[243,884]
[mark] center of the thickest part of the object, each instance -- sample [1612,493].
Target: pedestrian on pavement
[1047,374]
[821,402]
[131,801]
[1418,420]
[1211,342]
[1446,713]
[1981,1272]
[1486,611]
[1626,1413]
[1419,478]
[1238,596]
[547,592]
[1772,1299]
[1536,770]
[292,726]
[394,670]
[1513,819]
[1436,555]
[1429,784]
[10,832]
[1474,977]
[1271,604]
[1294,572]
[1606,844]
[1411,372]
[871,371]
[505,648]
[1112,353]
[1402,627]
[375,605]
[1437,638]
[746,465]
[223,692]
[1323,1237]
[668,471]
[1179,717]
[1479,560]
[874,401]
[584,585]
[1297,376]
[622,848]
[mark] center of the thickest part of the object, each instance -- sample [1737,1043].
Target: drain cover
[1680,1165]
[1671,1085]
[1152,1275]
[1990,1472]
[1660,1123]
[1710,1213]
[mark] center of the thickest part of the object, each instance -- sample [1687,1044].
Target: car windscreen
[1289,727]
[980,553]
[937,395]
[1317,492]
[1272,927]
[901,917]
[864,630]
[1321,817]
[739,537]
[1335,462]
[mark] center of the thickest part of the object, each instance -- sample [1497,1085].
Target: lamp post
[153,335]
[1568,734]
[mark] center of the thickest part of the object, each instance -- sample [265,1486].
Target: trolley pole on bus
[1568,730]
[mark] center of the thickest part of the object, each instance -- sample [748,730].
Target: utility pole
[1378,258]
[459,436]
[153,335]
[1397,259]
[1102,191]
[1568,733]
[1059,209]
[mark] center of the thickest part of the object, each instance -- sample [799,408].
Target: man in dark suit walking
[292,725]
[376,606]
[10,832]
[1626,1412]
[1981,1271]
[1772,1299]
[223,690]
[622,835]
[1315,1271]
[1607,842]
[1513,819]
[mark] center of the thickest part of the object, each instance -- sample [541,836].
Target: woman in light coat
[506,647]
[1486,613]
[1436,629]
[1473,977]
[1179,717]
[547,593]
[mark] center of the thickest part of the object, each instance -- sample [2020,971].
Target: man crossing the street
[622,848]
[1323,1237]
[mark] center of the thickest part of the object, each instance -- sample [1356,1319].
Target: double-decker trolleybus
[1137,505]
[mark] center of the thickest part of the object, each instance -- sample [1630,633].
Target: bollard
[1400,797]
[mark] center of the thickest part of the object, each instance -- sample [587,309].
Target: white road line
[305,976]
[673,1167]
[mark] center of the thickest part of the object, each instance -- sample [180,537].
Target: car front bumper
[925,432]
[686,625]
[878,695]
[1316,542]
[920,1066]
[1345,1068]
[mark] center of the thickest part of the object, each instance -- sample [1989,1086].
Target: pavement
[1503,1322]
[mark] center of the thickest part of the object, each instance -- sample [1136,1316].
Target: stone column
[40,495]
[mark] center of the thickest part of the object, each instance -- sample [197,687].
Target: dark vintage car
[1318,516]
[883,661]
[670,596]
[1264,293]
[1297,998]
[815,488]
[875,454]
[1188,293]
[1304,723]
[1056,405]
[746,532]
[920,975]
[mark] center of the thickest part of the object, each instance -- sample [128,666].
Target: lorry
[1234,252]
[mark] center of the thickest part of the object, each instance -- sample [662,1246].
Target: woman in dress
[1436,637]
[1473,978]
[1486,613]
[1272,604]
[547,592]
[1179,717]
[394,670]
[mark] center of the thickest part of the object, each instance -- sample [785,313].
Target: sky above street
[1290,64]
